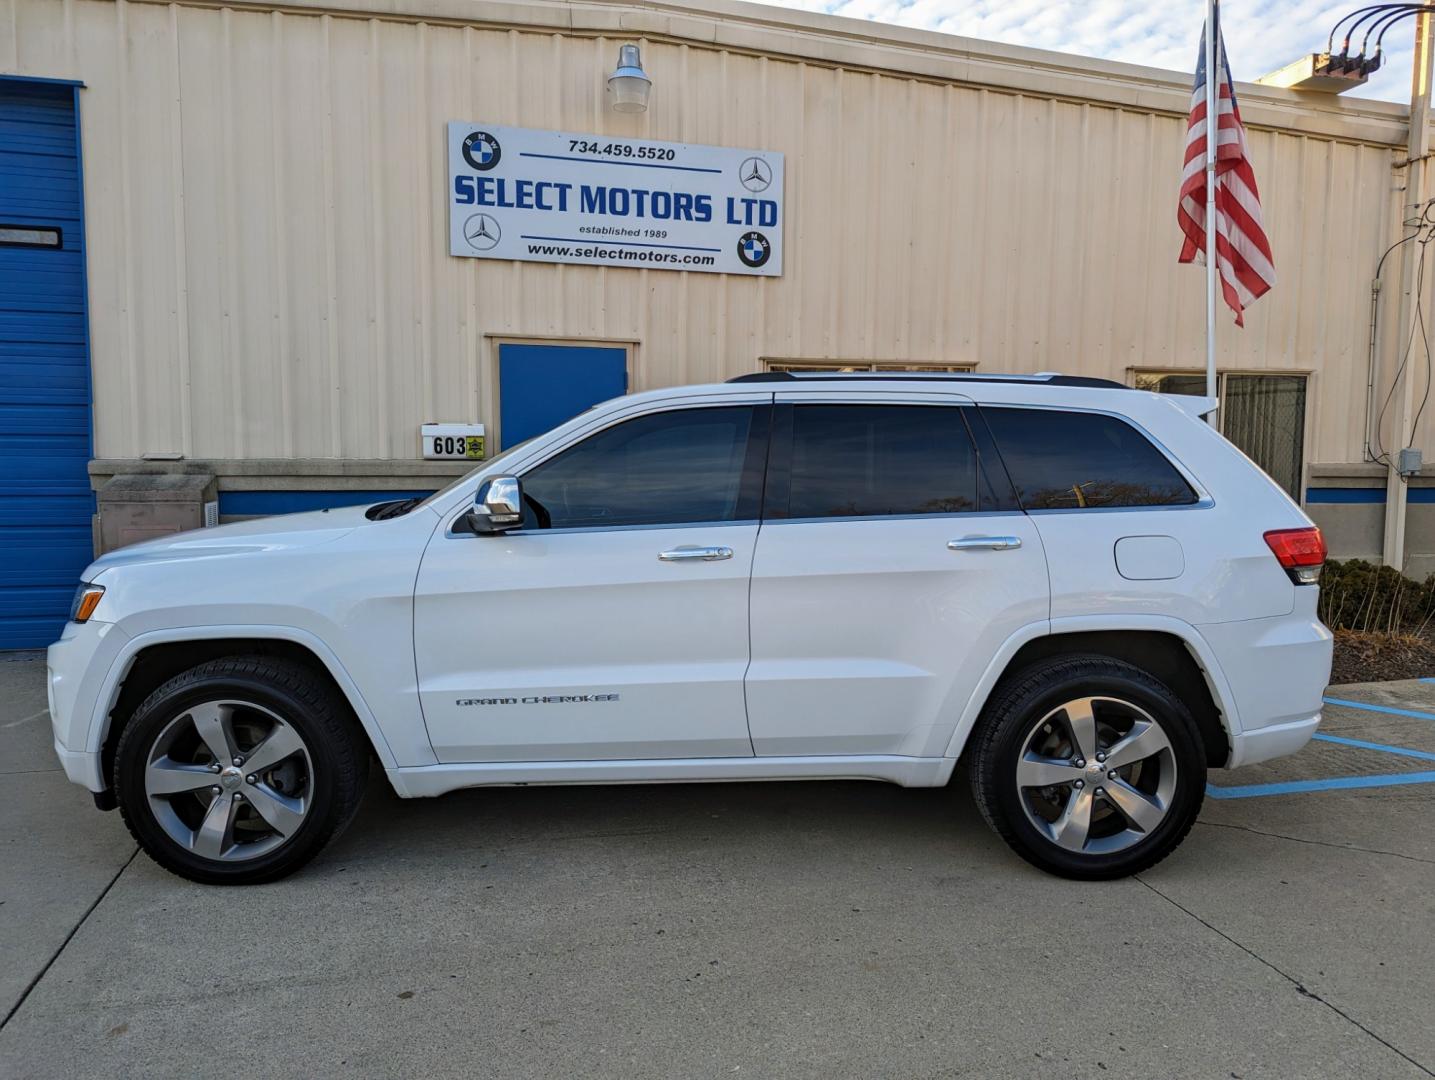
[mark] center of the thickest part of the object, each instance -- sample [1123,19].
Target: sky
[1261,35]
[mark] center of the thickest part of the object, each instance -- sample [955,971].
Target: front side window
[1062,460]
[669,468]
[878,460]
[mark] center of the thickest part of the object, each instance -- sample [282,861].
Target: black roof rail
[926,376]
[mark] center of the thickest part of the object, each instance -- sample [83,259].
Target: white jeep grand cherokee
[1080,590]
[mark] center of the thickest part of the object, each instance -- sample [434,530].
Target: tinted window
[661,469]
[1060,460]
[865,460]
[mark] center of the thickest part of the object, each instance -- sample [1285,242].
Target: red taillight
[1301,552]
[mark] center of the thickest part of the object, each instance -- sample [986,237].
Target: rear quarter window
[1061,460]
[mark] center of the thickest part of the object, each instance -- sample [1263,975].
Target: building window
[1264,415]
[844,365]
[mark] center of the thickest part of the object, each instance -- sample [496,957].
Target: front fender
[110,688]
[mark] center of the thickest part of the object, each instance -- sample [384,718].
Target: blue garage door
[45,498]
[540,386]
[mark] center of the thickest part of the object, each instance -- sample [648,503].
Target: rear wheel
[239,770]
[1089,767]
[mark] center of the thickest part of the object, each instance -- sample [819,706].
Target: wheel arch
[151,659]
[1169,649]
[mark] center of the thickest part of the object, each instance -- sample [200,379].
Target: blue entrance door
[540,386]
[45,498]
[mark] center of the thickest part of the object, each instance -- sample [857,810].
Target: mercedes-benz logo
[481,151]
[755,174]
[482,232]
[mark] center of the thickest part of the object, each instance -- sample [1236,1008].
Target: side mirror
[499,507]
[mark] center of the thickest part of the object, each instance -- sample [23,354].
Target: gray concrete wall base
[293,474]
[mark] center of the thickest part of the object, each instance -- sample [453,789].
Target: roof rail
[1045,378]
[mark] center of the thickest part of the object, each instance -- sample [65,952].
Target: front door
[614,624]
[891,567]
[541,386]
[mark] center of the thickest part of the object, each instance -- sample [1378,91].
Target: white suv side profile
[1080,590]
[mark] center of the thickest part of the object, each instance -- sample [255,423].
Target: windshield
[480,467]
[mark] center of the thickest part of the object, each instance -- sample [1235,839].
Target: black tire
[1015,715]
[333,774]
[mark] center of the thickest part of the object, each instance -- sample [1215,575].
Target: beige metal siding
[266,202]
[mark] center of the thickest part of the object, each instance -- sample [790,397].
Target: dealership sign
[552,196]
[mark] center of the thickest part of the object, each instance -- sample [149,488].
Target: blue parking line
[1296,787]
[1378,708]
[1382,747]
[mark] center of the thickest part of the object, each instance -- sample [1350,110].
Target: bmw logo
[481,150]
[482,232]
[753,248]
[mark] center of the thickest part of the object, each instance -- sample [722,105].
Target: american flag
[1243,254]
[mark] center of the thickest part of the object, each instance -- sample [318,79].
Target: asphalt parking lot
[821,929]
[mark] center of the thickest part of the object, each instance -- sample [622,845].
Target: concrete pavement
[822,929]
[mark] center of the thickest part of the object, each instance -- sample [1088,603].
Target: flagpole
[1212,130]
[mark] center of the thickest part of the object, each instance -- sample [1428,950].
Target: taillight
[1301,552]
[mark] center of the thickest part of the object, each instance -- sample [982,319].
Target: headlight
[87,598]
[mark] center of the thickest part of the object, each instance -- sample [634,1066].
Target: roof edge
[838,41]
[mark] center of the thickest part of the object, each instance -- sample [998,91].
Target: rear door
[891,565]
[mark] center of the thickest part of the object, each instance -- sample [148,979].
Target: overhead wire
[1380,38]
[1383,23]
[1381,16]
[1424,225]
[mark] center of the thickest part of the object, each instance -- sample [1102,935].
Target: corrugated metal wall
[268,268]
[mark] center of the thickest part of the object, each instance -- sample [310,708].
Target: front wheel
[239,770]
[1089,767]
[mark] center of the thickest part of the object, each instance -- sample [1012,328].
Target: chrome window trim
[463,535]
[964,515]
[1199,504]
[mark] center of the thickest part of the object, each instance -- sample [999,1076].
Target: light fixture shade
[629,84]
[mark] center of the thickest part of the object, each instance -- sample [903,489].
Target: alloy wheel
[229,780]
[1096,775]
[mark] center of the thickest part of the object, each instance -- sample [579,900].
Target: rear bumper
[1274,741]
[1277,670]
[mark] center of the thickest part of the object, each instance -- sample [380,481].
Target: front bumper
[78,667]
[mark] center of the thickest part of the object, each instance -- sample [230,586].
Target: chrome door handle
[993,543]
[703,554]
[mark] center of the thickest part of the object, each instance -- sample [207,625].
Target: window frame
[751,480]
[991,473]
[1133,375]
[1203,501]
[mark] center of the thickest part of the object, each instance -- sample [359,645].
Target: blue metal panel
[45,498]
[1344,495]
[540,386]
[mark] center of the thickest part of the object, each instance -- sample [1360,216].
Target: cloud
[1261,35]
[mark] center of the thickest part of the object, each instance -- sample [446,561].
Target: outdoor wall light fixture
[629,84]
